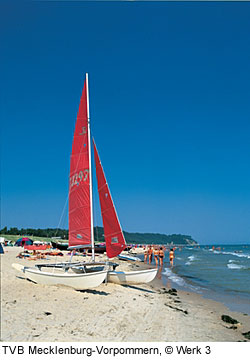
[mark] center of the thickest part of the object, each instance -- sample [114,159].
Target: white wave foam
[175,278]
[178,280]
[235,266]
[240,255]
[190,259]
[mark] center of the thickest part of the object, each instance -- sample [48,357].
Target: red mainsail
[79,184]
[115,241]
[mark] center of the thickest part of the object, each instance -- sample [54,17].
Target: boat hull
[60,246]
[76,281]
[128,258]
[134,277]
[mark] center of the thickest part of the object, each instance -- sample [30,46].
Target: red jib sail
[79,184]
[115,241]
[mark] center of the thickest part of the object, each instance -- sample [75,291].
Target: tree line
[47,233]
[131,238]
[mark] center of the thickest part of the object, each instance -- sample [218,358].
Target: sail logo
[84,131]
[79,236]
[78,177]
[114,240]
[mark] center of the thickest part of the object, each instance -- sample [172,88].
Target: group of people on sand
[34,254]
[158,254]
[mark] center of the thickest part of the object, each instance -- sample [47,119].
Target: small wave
[178,280]
[236,254]
[215,251]
[190,259]
[175,278]
[235,266]
[240,255]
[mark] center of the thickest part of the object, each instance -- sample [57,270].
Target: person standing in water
[156,253]
[150,254]
[171,257]
[161,255]
[145,255]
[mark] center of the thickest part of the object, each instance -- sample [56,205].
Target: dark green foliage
[131,238]
[99,233]
[13,231]
[4,230]
[48,233]
[148,238]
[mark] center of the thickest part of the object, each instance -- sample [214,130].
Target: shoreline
[111,312]
[226,298]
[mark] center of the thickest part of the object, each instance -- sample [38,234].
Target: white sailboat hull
[133,277]
[128,257]
[76,281]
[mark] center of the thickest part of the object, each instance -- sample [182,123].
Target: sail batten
[114,238]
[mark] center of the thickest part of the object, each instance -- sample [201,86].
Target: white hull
[134,277]
[128,257]
[76,281]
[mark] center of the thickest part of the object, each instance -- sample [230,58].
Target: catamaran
[84,275]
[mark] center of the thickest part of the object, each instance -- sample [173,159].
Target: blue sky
[169,106]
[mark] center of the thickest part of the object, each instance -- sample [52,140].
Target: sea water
[221,273]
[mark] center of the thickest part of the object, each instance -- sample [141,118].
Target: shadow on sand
[96,292]
[89,291]
[138,288]
[23,278]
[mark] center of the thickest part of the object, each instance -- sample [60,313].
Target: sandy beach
[32,312]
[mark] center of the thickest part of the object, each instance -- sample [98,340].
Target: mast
[90,174]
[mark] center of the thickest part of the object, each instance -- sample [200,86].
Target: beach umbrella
[24,241]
